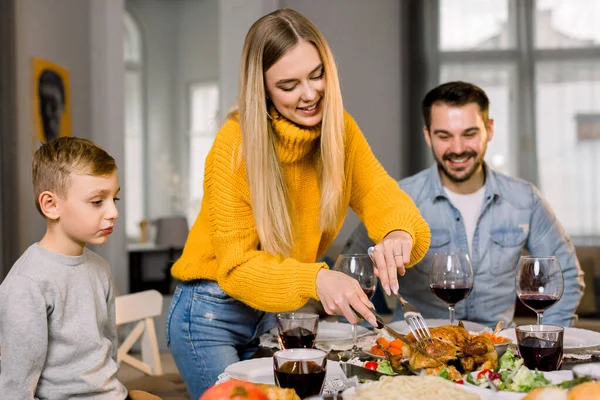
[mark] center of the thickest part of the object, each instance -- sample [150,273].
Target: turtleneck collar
[293,142]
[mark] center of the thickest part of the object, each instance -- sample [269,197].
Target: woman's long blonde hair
[267,41]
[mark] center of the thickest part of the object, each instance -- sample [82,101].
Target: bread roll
[546,394]
[585,391]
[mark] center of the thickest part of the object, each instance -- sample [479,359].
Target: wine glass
[451,279]
[539,283]
[359,267]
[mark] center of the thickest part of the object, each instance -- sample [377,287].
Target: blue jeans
[207,330]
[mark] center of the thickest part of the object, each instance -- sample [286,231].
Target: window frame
[139,68]
[524,57]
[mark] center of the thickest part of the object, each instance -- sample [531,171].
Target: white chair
[141,307]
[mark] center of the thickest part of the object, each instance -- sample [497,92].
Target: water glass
[541,346]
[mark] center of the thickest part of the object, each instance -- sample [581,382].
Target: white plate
[402,327]
[574,338]
[555,377]
[260,370]
[335,331]
[484,394]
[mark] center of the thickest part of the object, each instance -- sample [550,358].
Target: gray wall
[64,31]
[63,39]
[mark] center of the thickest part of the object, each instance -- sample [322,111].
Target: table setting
[328,359]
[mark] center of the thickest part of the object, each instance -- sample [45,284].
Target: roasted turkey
[453,345]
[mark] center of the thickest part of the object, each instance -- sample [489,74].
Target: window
[474,25]
[569,172]
[496,80]
[567,23]
[203,125]
[134,127]
[538,63]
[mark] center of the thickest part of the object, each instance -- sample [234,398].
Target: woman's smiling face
[296,84]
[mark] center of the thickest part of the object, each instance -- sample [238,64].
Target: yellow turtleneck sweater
[223,244]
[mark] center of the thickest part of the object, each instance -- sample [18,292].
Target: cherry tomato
[372,365]
[482,373]
[460,382]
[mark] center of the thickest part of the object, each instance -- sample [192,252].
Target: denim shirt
[514,216]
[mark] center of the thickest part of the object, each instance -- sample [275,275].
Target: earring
[268,115]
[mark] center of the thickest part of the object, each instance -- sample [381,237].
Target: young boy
[57,312]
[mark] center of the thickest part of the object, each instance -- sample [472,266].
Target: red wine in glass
[538,302]
[298,338]
[452,293]
[451,279]
[305,377]
[545,355]
[539,283]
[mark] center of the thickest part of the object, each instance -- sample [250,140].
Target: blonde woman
[279,178]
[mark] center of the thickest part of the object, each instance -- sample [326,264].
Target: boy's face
[88,211]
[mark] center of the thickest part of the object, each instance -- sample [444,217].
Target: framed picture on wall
[51,100]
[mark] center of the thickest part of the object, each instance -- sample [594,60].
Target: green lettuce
[385,367]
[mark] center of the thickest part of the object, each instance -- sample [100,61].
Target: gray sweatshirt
[57,328]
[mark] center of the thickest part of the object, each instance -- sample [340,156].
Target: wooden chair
[140,307]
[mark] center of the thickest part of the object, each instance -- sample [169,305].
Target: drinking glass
[541,346]
[297,330]
[300,369]
[359,267]
[539,283]
[451,279]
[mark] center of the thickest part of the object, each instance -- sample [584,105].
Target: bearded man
[475,210]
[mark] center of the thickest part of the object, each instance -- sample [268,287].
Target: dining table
[582,354]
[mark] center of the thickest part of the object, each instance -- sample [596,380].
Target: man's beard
[469,174]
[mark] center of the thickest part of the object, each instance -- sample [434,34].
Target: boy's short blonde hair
[54,162]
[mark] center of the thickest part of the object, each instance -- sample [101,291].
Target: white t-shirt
[469,206]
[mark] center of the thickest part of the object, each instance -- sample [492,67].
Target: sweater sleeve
[378,200]
[111,325]
[24,333]
[263,281]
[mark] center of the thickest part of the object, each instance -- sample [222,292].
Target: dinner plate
[574,338]
[402,327]
[260,370]
[335,332]
[555,377]
[484,394]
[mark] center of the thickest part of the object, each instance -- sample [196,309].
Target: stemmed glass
[359,267]
[451,279]
[539,283]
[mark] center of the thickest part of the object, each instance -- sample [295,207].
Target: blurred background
[151,81]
